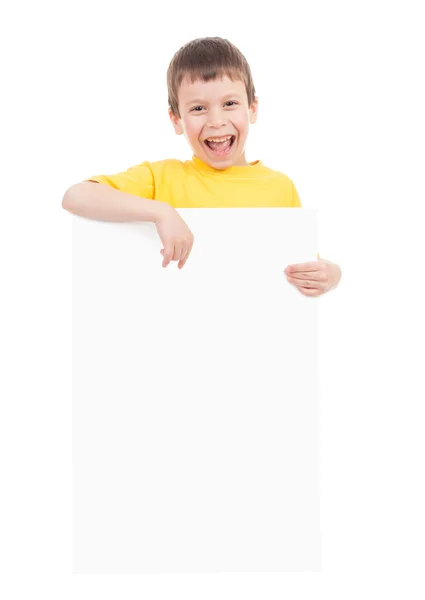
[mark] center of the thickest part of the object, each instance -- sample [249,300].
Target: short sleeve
[295,198]
[137,180]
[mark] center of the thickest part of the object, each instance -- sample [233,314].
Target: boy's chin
[219,162]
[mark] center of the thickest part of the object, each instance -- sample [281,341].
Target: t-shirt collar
[249,170]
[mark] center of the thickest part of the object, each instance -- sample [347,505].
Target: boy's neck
[251,169]
[242,163]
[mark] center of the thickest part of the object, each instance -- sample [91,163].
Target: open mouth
[220,148]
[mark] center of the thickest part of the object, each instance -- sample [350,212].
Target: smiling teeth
[223,139]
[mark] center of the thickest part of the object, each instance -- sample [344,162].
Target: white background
[341,112]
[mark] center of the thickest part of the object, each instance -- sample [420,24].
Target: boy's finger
[307,275]
[178,249]
[168,255]
[303,283]
[310,291]
[185,257]
[308,266]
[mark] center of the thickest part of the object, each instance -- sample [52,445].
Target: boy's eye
[194,109]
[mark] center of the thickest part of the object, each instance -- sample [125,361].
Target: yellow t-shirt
[195,184]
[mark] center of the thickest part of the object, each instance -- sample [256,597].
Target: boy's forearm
[105,203]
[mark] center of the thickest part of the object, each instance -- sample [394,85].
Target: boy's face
[215,109]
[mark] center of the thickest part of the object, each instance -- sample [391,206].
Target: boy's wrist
[162,210]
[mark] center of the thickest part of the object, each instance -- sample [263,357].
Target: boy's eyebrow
[233,95]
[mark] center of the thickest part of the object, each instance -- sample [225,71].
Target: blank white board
[195,401]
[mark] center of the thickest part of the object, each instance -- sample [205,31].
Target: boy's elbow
[68,200]
[72,195]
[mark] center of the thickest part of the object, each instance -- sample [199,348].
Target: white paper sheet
[195,402]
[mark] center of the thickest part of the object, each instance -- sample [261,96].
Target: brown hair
[207,59]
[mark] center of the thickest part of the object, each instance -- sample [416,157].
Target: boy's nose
[217,122]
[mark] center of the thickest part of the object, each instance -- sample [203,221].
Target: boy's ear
[254,110]
[176,122]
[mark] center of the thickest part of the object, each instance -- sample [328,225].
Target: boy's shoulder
[165,164]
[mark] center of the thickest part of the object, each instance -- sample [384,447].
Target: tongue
[219,146]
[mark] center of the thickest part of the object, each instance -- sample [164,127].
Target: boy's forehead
[217,87]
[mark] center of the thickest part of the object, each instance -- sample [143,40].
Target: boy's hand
[176,237]
[314,278]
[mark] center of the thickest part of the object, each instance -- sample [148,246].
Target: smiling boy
[212,102]
[215,110]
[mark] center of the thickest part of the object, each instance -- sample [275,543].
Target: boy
[212,101]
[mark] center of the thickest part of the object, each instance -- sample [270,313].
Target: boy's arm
[103,202]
